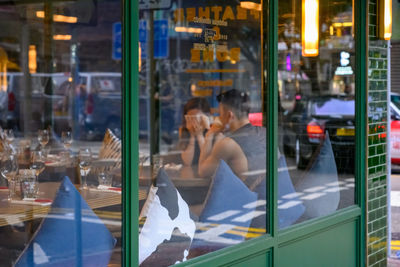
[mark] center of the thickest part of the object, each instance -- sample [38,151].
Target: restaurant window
[202,142]
[60,135]
[316,75]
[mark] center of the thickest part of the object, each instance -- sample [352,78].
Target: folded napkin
[103,188]
[3,188]
[33,201]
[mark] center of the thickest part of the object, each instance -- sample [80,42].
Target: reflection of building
[332,72]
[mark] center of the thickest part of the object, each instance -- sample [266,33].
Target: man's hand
[215,129]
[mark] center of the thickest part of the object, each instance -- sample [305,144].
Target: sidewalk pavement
[392,262]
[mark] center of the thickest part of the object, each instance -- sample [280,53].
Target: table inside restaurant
[192,188]
[17,211]
[20,219]
[107,205]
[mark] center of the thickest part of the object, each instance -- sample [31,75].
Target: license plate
[345,132]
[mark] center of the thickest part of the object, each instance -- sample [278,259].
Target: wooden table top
[11,213]
[185,177]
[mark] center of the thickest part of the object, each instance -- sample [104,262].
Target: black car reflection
[312,118]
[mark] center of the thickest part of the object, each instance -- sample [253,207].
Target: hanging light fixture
[385,19]
[310,28]
[32,56]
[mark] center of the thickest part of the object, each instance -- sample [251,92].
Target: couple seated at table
[230,138]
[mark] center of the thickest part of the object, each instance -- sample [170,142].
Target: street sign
[161,39]
[143,37]
[154,4]
[160,36]
[117,41]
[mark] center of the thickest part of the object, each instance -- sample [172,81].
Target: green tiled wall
[377,125]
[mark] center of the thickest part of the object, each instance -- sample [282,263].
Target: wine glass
[9,170]
[85,161]
[66,138]
[9,136]
[38,162]
[43,137]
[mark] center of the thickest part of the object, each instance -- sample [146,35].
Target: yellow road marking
[257,230]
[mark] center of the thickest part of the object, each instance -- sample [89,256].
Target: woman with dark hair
[195,124]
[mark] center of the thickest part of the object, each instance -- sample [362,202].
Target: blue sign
[143,37]
[161,39]
[117,41]
[142,31]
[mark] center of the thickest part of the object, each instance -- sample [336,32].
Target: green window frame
[263,250]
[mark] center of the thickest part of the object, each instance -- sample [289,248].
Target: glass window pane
[202,144]
[316,108]
[60,134]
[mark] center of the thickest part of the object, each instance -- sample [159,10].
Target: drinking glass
[85,161]
[9,170]
[9,134]
[43,137]
[105,179]
[29,184]
[38,162]
[66,138]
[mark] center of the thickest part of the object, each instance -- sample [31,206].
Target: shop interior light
[62,37]
[342,24]
[188,29]
[250,5]
[58,18]
[310,28]
[385,19]
[140,57]
[3,70]
[32,55]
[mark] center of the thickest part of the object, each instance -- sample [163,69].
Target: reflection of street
[346,186]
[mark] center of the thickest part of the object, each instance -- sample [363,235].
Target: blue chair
[229,209]
[70,235]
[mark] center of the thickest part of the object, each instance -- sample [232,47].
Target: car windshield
[107,84]
[395,100]
[332,106]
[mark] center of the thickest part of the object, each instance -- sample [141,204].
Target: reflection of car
[38,100]
[395,128]
[103,103]
[89,116]
[306,126]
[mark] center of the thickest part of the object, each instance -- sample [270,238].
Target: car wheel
[300,161]
[286,148]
